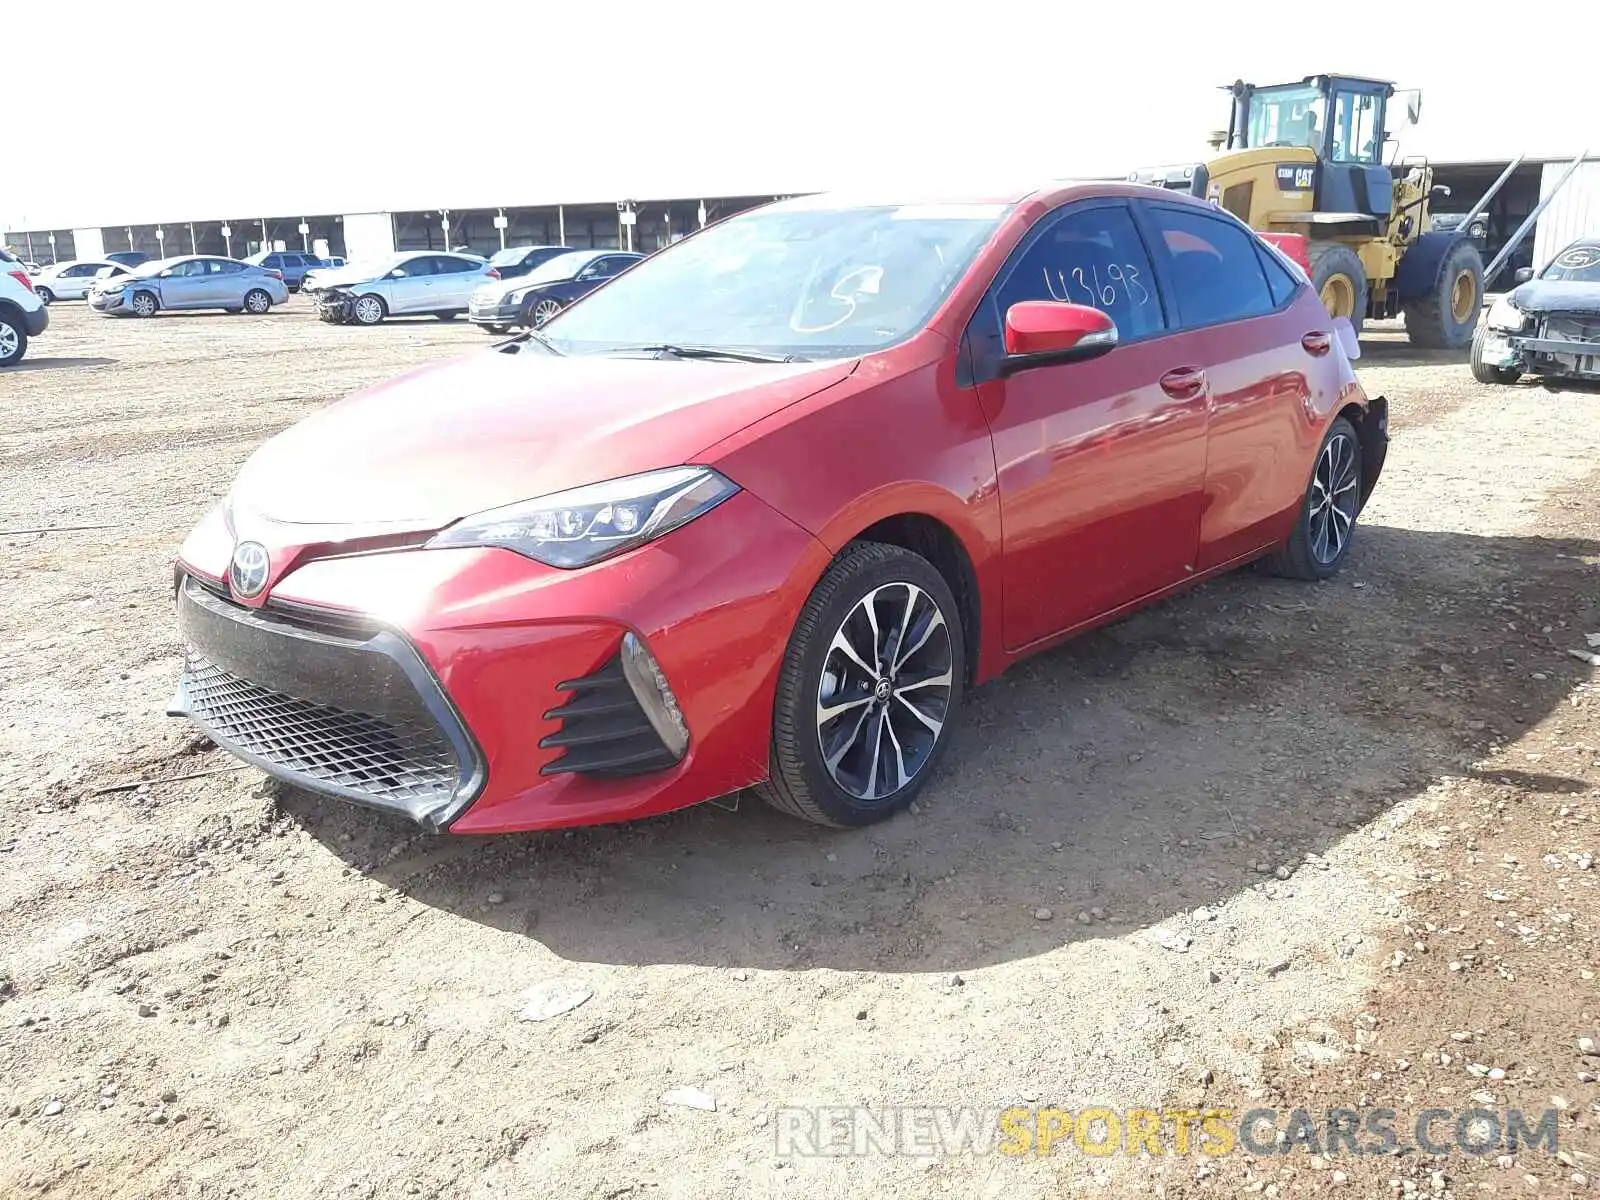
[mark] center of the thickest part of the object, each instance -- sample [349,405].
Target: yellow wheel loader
[1306,160]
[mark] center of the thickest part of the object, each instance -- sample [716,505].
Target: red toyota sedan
[757,513]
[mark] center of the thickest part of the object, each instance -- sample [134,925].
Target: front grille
[333,702]
[1574,329]
[403,762]
[603,730]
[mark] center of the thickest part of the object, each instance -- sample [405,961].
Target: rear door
[1262,347]
[455,280]
[1101,463]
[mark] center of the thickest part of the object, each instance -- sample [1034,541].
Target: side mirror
[398,273]
[1044,332]
[165,274]
[1413,105]
[1522,274]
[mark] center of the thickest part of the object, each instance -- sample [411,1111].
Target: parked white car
[416,282]
[22,314]
[72,280]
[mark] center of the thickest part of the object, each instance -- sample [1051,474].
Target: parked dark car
[519,260]
[532,299]
[292,265]
[1548,325]
[128,258]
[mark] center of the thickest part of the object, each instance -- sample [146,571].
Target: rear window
[1280,278]
[7,257]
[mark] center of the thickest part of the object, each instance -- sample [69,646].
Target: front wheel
[1340,280]
[1487,372]
[257,301]
[1322,534]
[143,304]
[446,316]
[541,312]
[870,689]
[498,330]
[368,310]
[1445,318]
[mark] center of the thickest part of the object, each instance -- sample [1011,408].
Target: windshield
[1575,264]
[152,268]
[562,266]
[792,279]
[1292,115]
[511,254]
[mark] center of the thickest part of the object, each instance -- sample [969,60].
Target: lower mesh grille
[360,751]
[603,729]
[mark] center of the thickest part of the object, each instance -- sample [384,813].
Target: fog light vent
[654,693]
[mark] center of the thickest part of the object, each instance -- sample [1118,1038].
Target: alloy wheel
[8,340]
[258,302]
[1463,297]
[885,691]
[369,311]
[1334,498]
[143,304]
[544,310]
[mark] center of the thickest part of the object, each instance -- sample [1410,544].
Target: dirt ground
[1268,844]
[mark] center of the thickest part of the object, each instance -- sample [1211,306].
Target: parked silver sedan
[416,282]
[189,281]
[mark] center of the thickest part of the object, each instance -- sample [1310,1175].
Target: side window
[1212,263]
[82,270]
[1280,279]
[222,266]
[1092,256]
[417,268]
[457,266]
[1355,128]
[193,267]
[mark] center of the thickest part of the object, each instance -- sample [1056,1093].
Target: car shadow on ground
[59,364]
[1166,762]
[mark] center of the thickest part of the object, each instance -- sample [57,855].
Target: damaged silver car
[1548,326]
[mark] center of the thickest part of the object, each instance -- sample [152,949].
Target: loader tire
[1340,279]
[1445,318]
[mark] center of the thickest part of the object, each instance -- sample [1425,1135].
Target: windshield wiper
[528,335]
[712,352]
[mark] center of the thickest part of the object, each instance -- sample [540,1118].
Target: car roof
[1049,193]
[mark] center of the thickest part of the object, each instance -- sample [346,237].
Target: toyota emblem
[248,572]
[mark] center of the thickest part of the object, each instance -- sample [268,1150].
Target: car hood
[1557,295]
[492,428]
[348,276]
[496,290]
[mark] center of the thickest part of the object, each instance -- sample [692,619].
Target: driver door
[182,285]
[411,291]
[1101,464]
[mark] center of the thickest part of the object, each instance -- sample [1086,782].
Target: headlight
[594,522]
[1505,315]
[516,297]
[113,288]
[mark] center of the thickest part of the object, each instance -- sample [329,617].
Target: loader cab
[1341,120]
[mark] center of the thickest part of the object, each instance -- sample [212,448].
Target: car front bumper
[478,691]
[495,314]
[1558,344]
[107,303]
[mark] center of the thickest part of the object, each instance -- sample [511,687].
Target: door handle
[1317,343]
[1184,383]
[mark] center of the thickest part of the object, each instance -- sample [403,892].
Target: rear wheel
[870,689]
[1321,538]
[1445,318]
[143,304]
[1341,280]
[257,301]
[46,295]
[1487,372]
[13,340]
[498,330]
[369,310]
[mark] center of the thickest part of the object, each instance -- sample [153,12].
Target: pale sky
[181,110]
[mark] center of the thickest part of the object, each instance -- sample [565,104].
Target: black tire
[530,317]
[1300,557]
[446,316]
[1484,372]
[257,302]
[362,313]
[46,295]
[1433,322]
[1334,261]
[152,310]
[800,781]
[497,330]
[13,339]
